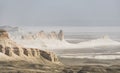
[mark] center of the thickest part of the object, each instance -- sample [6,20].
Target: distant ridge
[103,41]
[56,40]
[42,35]
[9,28]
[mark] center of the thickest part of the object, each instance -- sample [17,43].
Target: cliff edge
[11,51]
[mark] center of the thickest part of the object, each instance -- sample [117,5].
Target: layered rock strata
[12,51]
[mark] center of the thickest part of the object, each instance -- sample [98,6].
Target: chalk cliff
[42,35]
[11,51]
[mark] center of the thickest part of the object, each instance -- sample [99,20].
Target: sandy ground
[70,66]
[75,61]
[24,67]
[92,65]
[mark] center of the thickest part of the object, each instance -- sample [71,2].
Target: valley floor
[70,66]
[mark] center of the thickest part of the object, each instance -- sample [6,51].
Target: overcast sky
[60,12]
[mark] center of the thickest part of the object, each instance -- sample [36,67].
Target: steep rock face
[61,35]
[53,35]
[49,56]
[16,52]
[42,35]
[3,34]
[27,37]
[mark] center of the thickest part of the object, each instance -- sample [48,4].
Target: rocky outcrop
[61,35]
[15,52]
[3,34]
[42,35]
[53,35]
[28,36]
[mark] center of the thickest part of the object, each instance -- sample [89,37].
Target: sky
[60,12]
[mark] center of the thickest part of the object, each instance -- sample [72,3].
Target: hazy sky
[60,12]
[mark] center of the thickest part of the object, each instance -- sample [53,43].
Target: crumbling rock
[3,34]
[43,35]
[61,35]
[49,56]
[53,35]
[28,37]
[17,52]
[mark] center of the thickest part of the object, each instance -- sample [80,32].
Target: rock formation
[13,51]
[53,35]
[3,34]
[61,35]
[42,35]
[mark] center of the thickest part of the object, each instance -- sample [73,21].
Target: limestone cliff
[61,35]
[42,35]
[53,35]
[14,52]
